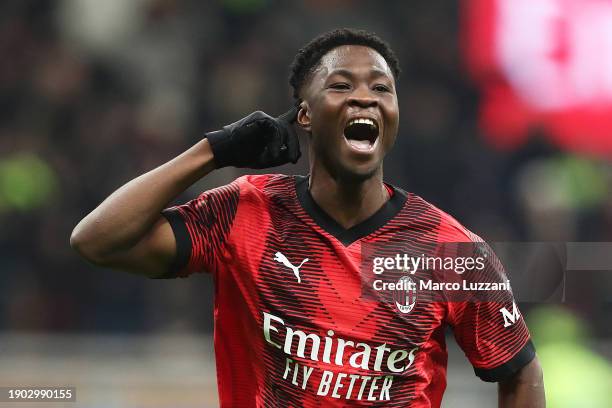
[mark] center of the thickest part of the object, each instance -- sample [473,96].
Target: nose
[362,97]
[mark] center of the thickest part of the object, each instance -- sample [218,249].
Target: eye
[340,85]
[381,88]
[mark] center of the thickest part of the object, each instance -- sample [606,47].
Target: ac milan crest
[405,294]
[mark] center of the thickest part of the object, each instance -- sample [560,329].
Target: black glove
[257,141]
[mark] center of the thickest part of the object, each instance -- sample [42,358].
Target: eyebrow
[347,73]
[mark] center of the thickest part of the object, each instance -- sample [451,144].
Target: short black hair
[308,57]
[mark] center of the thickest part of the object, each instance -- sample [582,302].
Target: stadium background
[93,93]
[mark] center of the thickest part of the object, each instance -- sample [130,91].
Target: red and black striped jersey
[308,313]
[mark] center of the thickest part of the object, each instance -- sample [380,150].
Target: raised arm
[525,389]
[127,231]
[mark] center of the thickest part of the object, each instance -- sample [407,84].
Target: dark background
[92,94]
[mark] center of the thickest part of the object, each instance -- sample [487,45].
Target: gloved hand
[257,141]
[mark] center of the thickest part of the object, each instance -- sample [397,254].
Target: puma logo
[278,257]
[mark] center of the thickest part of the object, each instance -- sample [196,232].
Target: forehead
[352,58]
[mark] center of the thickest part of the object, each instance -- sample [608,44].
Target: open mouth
[361,133]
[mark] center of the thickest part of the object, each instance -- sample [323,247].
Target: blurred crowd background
[94,93]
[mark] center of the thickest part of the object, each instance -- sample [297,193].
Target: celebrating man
[298,319]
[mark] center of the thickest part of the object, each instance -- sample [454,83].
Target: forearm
[525,389]
[124,218]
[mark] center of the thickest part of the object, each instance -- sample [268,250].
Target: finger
[293,144]
[288,117]
[273,140]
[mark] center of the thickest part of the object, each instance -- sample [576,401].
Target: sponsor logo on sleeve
[510,318]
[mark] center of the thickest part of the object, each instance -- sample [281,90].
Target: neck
[349,202]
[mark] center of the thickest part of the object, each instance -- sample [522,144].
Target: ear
[303,116]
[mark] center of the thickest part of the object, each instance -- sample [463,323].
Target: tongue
[360,144]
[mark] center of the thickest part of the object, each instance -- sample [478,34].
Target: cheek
[392,116]
[325,116]
[395,123]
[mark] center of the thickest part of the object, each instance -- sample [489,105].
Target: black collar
[331,226]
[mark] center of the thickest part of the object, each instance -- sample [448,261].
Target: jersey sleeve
[201,228]
[488,325]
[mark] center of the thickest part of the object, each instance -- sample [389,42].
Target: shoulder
[265,184]
[265,189]
[447,228]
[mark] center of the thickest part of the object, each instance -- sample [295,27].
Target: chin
[357,174]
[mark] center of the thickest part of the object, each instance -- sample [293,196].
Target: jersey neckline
[347,236]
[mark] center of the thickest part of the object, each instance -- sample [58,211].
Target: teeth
[364,121]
